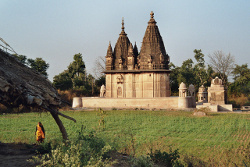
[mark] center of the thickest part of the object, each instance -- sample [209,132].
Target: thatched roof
[20,84]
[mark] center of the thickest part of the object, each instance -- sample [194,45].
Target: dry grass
[239,101]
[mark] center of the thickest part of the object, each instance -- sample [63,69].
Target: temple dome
[182,86]
[202,89]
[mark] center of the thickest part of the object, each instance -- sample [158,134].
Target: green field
[218,138]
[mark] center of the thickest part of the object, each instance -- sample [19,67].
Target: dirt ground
[13,155]
[16,155]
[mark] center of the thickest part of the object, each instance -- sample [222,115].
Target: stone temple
[138,79]
[133,75]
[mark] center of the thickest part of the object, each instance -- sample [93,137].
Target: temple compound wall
[184,101]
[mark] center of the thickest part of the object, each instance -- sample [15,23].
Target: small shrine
[202,95]
[216,93]
[215,98]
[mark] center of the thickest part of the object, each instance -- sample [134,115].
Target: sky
[55,30]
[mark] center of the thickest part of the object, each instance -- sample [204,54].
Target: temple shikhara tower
[133,75]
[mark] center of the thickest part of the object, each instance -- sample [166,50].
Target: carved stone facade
[216,93]
[133,75]
[137,85]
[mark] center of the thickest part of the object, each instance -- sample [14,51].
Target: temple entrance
[162,87]
[119,92]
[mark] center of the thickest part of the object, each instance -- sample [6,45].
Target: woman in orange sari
[40,132]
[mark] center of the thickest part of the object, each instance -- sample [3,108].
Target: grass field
[218,138]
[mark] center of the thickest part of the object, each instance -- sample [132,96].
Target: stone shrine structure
[216,100]
[202,95]
[133,75]
[216,93]
[138,80]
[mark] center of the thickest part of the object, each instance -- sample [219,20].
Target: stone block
[77,102]
[225,107]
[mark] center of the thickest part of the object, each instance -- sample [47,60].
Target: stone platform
[216,107]
[129,103]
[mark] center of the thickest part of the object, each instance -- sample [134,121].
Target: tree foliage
[37,64]
[191,73]
[76,78]
[77,67]
[241,84]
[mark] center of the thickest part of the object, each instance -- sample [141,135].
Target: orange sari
[40,136]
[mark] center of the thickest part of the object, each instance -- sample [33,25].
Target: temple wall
[147,103]
[137,85]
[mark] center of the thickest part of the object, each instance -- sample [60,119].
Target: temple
[138,79]
[133,75]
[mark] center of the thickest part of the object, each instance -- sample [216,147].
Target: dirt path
[12,155]
[16,155]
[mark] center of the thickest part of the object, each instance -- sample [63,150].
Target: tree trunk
[60,125]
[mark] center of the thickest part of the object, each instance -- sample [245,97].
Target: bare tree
[222,64]
[99,67]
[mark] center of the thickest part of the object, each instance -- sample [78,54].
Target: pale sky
[55,30]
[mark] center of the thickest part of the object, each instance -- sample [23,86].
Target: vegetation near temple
[151,137]
[76,78]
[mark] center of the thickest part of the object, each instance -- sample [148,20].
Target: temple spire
[135,50]
[152,14]
[152,20]
[109,51]
[123,32]
[123,24]
[152,48]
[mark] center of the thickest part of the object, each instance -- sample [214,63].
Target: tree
[241,80]
[173,78]
[62,81]
[202,74]
[186,72]
[222,64]
[21,58]
[39,65]
[75,78]
[77,67]
[99,67]
[191,73]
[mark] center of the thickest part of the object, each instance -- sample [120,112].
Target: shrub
[167,159]
[85,150]
[142,161]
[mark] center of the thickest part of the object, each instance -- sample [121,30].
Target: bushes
[166,159]
[85,150]
[89,150]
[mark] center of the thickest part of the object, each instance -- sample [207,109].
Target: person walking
[40,133]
